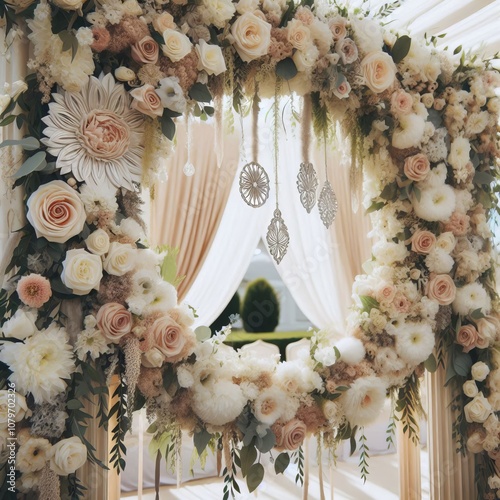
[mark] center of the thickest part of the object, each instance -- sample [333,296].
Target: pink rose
[292,435]
[170,339]
[337,26]
[145,51]
[442,289]
[347,50]
[114,321]
[458,224]
[147,101]
[467,337]
[401,103]
[378,70]
[417,167]
[422,241]
[385,294]
[401,302]
[343,90]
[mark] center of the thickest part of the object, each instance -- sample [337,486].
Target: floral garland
[86,299]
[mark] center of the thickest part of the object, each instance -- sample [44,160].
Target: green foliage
[224,318]
[260,310]
[363,456]
[409,407]
[401,48]
[298,460]
[230,484]
[168,268]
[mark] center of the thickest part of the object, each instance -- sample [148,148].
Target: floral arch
[85,299]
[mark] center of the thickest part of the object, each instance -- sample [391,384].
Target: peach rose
[114,321]
[56,212]
[251,36]
[343,90]
[379,71]
[422,241]
[458,224]
[169,338]
[385,294]
[401,302]
[298,34]
[467,337]
[401,102]
[293,434]
[145,51]
[147,101]
[337,26]
[417,167]
[442,289]
[163,22]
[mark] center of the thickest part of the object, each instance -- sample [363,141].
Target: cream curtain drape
[186,211]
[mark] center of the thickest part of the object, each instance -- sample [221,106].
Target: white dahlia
[41,364]
[96,135]
[414,342]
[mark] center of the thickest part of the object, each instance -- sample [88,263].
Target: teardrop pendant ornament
[277,236]
[307,183]
[327,204]
[254,185]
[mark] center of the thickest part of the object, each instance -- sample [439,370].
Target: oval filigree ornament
[277,236]
[254,184]
[327,204]
[307,183]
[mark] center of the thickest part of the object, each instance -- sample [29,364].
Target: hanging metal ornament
[327,204]
[307,181]
[254,181]
[189,169]
[277,236]
[307,184]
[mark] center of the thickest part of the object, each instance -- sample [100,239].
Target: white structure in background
[261,266]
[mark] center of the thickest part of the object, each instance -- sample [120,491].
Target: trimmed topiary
[231,309]
[260,311]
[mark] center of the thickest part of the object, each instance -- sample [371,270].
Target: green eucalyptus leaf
[32,164]
[266,443]
[286,69]
[430,364]
[401,48]
[483,178]
[462,363]
[281,463]
[203,333]
[477,314]
[199,92]
[28,143]
[255,477]
[201,440]
[376,205]
[248,456]
[7,121]
[167,126]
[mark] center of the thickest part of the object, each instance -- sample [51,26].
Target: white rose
[494,482]
[98,242]
[177,45]
[368,34]
[470,388]
[120,259]
[67,456]
[379,71]
[332,411]
[446,241]
[69,4]
[163,22]
[56,212]
[124,74]
[82,271]
[153,358]
[17,88]
[14,402]
[299,35]
[478,410]
[4,102]
[305,60]
[21,325]
[479,371]
[251,36]
[210,58]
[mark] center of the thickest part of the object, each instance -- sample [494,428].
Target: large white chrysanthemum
[41,364]
[414,342]
[96,135]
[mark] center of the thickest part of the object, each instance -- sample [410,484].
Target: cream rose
[422,241]
[379,71]
[124,74]
[292,435]
[298,34]
[479,371]
[347,50]
[153,358]
[69,4]
[251,36]
[417,167]
[470,388]
[67,456]
[163,22]
[98,242]
[337,26]
[120,259]
[475,442]
[385,293]
[170,339]
[147,101]
[401,102]
[82,271]
[489,328]
[467,337]
[442,289]
[210,58]
[145,51]
[478,410]
[21,325]
[13,403]
[177,45]
[446,241]
[114,321]
[56,212]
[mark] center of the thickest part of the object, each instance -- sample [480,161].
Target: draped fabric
[186,211]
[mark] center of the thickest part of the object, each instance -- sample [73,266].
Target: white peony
[269,405]
[364,400]
[367,34]
[67,456]
[82,271]
[217,12]
[120,259]
[435,204]
[440,262]
[471,297]
[21,325]
[387,253]
[414,342]
[305,59]
[41,364]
